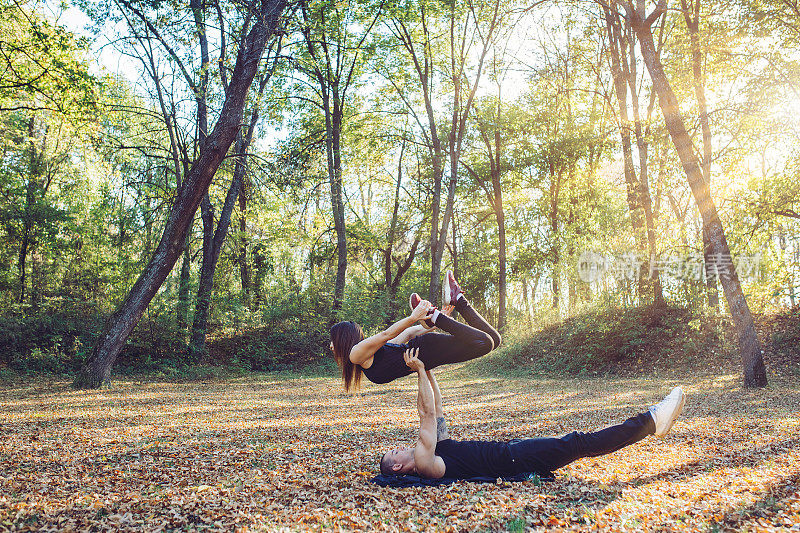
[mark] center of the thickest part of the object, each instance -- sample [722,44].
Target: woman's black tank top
[388,364]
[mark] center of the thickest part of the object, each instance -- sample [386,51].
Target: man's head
[398,461]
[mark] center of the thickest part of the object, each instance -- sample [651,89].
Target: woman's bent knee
[496,339]
[483,344]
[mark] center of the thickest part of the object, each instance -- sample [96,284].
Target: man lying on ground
[436,455]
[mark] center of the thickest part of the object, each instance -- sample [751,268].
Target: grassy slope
[641,341]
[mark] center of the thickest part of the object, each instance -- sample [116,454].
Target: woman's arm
[419,329]
[410,333]
[365,349]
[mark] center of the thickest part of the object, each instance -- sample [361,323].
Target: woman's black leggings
[465,342]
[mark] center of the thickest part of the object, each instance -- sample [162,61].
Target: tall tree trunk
[617,47]
[333,126]
[454,251]
[556,175]
[119,326]
[244,260]
[214,238]
[644,199]
[245,183]
[205,284]
[197,346]
[499,213]
[392,281]
[749,345]
[424,65]
[526,301]
[555,255]
[502,317]
[182,309]
[555,285]
[494,197]
[691,14]
[790,280]
[34,166]
[461,110]
[27,227]
[333,70]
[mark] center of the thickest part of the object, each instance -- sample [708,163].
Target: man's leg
[545,455]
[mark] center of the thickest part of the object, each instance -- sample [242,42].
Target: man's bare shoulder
[430,467]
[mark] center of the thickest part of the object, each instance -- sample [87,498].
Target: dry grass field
[290,453]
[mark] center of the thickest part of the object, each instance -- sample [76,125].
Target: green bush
[47,341]
[154,344]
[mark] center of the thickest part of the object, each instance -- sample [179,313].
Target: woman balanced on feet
[380,357]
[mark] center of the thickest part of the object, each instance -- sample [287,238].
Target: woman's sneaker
[413,302]
[450,289]
[667,410]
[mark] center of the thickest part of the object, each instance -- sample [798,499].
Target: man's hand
[412,361]
[447,310]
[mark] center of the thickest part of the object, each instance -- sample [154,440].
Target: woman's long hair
[344,336]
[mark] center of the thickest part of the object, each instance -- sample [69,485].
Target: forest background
[522,145]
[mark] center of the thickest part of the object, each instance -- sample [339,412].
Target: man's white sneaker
[667,410]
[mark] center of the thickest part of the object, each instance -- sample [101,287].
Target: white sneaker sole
[446,289]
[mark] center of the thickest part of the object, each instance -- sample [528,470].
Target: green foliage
[84,194]
[42,66]
[47,341]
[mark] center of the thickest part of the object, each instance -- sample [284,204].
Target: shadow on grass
[767,506]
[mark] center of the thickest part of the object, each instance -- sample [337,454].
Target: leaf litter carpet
[266,453]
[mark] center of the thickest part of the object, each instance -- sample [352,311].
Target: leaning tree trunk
[121,323]
[749,345]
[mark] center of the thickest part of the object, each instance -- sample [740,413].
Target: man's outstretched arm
[427,463]
[441,423]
